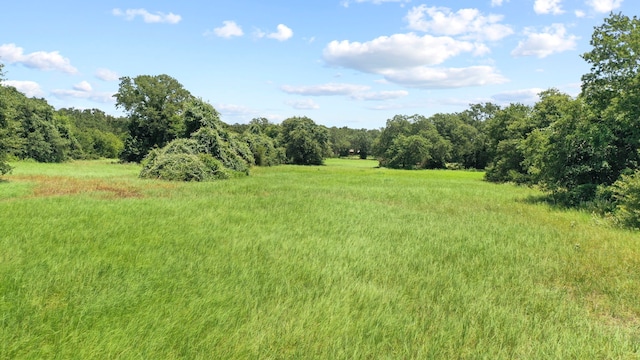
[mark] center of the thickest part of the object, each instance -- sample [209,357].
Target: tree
[506,131]
[263,147]
[305,142]
[612,91]
[155,106]
[407,152]
[4,124]
[412,142]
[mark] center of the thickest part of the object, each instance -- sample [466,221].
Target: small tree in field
[305,142]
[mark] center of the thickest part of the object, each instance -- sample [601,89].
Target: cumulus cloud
[355,92]
[147,17]
[443,78]
[548,7]
[396,51]
[380,95]
[305,104]
[324,89]
[42,60]
[83,90]
[107,75]
[283,33]
[468,24]
[29,88]
[228,30]
[580,13]
[410,60]
[495,3]
[83,86]
[604,6]
[553,39]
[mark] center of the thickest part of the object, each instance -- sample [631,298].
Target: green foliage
[40,134]
[263,149]
[346,142]
[155,105]
[199,113]
[99,135]
[407,152]
[610,90]
[412,142]
[626,192]
[5,168]
[305,142]
[180,160]
[507,131]
[224,146]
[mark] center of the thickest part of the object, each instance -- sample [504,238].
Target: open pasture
[338,261]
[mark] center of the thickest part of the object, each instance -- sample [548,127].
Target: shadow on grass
[546,199]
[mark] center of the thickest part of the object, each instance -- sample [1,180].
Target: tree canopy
[155,106]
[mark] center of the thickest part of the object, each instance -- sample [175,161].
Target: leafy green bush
[185,160]
[224,146]
[626,191]
[174,167]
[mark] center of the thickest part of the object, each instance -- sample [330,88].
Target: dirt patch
[47,186]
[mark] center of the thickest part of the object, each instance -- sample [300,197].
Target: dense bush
[627,195]
[181,161]
[224,146]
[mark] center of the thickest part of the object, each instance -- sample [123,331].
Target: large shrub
[224,146]
[627,195]
[181,161]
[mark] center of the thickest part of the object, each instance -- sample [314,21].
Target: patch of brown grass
[46,186]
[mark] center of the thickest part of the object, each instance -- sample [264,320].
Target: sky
[353,63]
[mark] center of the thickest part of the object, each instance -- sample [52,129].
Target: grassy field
[342,261]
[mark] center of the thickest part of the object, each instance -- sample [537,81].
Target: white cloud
[553,39]
[580,13]
[548,7]
[356,92]
[443,78]
[495,3]
[84,90]
[306,104]
[346,3]
[466,23]
[409,60]
[523,96]
[148,17]
[228,30]
[107,75]
[83,86]
[380,95]
[233,110]
[324,89]
[29,88]
[10,53]
[604,6]
[283,33]
[393,52]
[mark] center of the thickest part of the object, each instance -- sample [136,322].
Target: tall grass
[337,261]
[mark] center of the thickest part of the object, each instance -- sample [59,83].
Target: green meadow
[342,261]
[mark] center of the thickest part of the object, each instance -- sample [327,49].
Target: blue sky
[352,63]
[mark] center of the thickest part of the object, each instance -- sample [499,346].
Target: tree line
[582,150]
